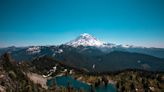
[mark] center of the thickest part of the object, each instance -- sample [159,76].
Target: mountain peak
[85,39]
[85,35]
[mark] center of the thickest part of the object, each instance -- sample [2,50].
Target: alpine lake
[68,80]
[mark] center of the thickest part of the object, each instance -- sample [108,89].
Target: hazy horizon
[71,40]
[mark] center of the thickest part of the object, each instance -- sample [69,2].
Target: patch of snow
[59,51]
[34,50]
[138,61]
[93,66]
[71,72]
[54,68]
[65,70]
[127,46]
[53,54]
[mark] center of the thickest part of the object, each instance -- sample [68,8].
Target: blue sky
[52,22]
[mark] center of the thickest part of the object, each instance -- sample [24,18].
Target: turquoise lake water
[64,80]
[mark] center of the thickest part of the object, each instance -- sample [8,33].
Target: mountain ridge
[86,51]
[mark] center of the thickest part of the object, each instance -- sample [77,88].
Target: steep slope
[13,78]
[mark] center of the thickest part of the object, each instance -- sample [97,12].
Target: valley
[81,65]
[121,81]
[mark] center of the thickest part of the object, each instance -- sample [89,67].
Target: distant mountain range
[86,51]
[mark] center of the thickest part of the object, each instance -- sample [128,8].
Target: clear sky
[53,22]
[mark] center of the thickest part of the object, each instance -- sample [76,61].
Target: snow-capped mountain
[85,40]
[85,43]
